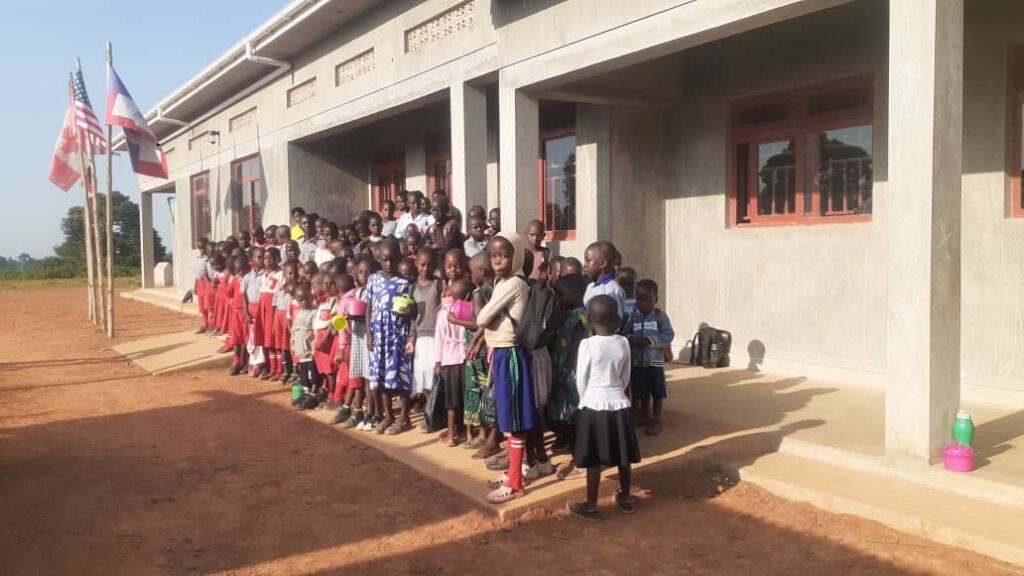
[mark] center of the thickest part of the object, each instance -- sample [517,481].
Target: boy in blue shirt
[649,331]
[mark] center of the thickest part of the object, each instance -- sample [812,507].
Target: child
[415,216]
[649,331]
[443,234]
[455,268]
[413,241]
[238,326]
[202,284]
[401,204]
[449,359]
[323,252]
[302,341]
[427,293]
[251,284]
[326,301]
[510,364]
[389,222]
[348,392]
[281,330]
[407,268]
[626,277]
[375,226]
[555,270]
[477,240]
[571,266]
[572,325]
[359,357]
[493,222]
[541,254]
[598,266]
[604,429]
[210,291]
[272,279]
[388,339]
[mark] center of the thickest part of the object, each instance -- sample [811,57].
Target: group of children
[487,329]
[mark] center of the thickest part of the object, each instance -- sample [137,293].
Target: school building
[837,182]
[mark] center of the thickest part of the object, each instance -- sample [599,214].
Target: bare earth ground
[106,470]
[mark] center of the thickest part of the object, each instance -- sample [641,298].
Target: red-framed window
[387,172]
[556,169]
[199,188]
[248,193]
[803,156]
[439,164]
[1016,118]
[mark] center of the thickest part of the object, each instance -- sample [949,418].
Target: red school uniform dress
[238,326]
[223,302]
[202,287]
[210,295]
[343,347]
[324,338]
[271,282]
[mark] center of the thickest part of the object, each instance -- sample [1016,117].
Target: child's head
[555,271]
[571,266]
[270,232]
[410,229]
[460,289]
[535,233]
[402,201]
[202,245]
[476,228]
[387,210]
[271,258]
[604,314]
[363,266]
[569,291]
[362,229]
[407,268]
[258,236]
[627,279]
[646,295]
[290,271]
[375,225]
[388,256]
[343,284]
[318,284]
[507,252]
[211,249]
[415,202]
[329,231]
[439,209]
[494,220]
[598,260]
[232,242]
[321,226]
[245,238]
[477,211]
[303,295]
[337,247]
[291,251]
[413,242]
[480,269]
[454,264]
[308,270]
[426,263]
[282,235]
[256,257]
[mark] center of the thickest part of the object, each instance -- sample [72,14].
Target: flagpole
[89,178]
[86,227]
[110,216]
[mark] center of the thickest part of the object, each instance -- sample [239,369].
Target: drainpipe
[250,55]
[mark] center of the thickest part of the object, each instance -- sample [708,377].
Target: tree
[127,234]
[24,258]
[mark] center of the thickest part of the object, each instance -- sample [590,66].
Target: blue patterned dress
[390,368]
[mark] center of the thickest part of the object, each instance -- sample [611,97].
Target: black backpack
[711,348]
[530,332]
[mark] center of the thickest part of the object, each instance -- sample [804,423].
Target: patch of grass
[37,284]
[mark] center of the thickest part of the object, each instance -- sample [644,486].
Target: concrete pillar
[146,239]
[493,144]
[593,173]
[416,164]
[923,217]
[469,145]
[520,149]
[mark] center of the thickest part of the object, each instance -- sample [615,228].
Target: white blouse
[602,372]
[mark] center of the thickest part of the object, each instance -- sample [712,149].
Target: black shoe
[235,370]
[625,502]
[583,512]
[343,414]
[560,446]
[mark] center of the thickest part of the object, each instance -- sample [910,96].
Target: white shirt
[605,286]
[602,372]
[423,221]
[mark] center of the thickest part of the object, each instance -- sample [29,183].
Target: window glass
[560,183]
[845,175]
[776,171]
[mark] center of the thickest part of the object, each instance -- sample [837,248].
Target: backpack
[530,332]
[711,348]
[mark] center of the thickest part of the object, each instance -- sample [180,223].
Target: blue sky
[157,47]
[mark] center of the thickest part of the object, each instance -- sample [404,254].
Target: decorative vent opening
[243,120]
[457,19]
[302,92]
[354,67]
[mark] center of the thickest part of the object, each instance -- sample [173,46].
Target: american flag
[87,126]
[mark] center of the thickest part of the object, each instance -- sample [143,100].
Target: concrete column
[520,149]
[146,239]
[593,173]
[493,143]
[923,218]
[416,164]
[469,145]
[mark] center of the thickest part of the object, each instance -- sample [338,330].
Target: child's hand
[410,347]
[437,370]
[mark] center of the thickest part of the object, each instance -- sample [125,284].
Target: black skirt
[605,438]
[452,380]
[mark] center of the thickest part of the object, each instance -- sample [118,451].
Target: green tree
[127,249]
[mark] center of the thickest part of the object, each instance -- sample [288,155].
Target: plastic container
[462,310]
[959,458]
[355,307]
[296,391]
[963,428]
[339,323]
[402,303]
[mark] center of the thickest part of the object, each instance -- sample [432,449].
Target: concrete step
[914,507]
[168,298]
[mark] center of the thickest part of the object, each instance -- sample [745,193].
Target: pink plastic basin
[463,310]
[356,308]
[959,458]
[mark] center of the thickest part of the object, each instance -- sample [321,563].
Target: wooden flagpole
[110,217]
[85,225]
[89,178]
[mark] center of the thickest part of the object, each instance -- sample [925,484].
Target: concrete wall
[328,181]
[813,297]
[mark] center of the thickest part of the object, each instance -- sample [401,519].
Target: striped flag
[147,157]
[63,172]
[87,125]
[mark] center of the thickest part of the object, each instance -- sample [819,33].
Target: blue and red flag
[147,157]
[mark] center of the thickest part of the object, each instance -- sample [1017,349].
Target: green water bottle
[963,428]
[296,391]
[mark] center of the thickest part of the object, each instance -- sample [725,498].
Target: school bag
[711,348]
[531,331]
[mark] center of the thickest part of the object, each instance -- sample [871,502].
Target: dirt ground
[106,470]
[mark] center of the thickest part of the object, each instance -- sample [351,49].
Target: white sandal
[498,481]
[503,494]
